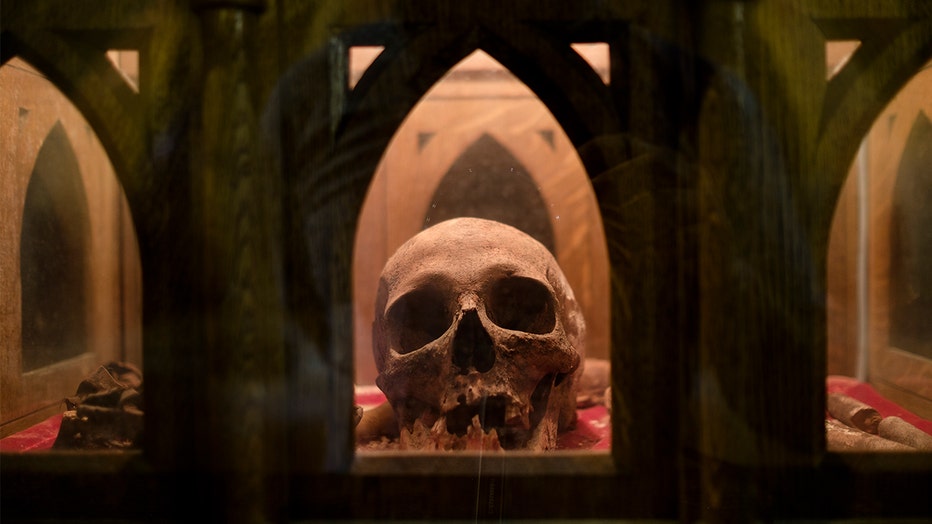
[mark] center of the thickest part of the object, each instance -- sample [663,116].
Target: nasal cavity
[472,346]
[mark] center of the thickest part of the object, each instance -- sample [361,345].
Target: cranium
[478,339]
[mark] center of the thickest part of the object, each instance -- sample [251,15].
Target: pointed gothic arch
[487,181]
[54,256]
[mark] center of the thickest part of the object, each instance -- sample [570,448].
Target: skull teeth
[440,426]
[489,422]
[497,411]
[494,422]
[465,427]
[437,437]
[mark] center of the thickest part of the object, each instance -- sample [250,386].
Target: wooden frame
[716,154]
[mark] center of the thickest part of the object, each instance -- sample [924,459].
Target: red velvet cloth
[38,437]
[593,431]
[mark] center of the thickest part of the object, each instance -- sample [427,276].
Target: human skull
[478,339]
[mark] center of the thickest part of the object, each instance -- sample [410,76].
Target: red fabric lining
[38,437]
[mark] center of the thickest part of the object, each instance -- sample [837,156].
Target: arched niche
[476,101]
[878,241]
[73,291]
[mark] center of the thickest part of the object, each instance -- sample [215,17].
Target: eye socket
[419,317]
[521,304]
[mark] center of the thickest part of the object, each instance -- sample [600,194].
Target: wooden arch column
[236,271]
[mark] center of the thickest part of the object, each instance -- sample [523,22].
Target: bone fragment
[377,422]
[853,412]
[840,437]
[898,430]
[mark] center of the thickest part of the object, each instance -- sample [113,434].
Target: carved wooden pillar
[761,313]
[237,214]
